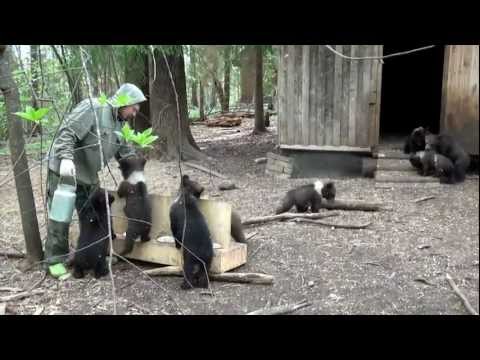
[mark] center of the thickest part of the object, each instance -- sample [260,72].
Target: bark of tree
[202,102]
[137,72]
[259,118]
[247,75]
[34,66]
[220,94]
[19,160]
[226,79]
[193,74]
[213,96]
[163,108]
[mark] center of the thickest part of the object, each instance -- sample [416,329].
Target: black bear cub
[138,207]
[93,240]
[431,163]
[447,146]
[306,196]
[236,229]
[415,141]
[197,242]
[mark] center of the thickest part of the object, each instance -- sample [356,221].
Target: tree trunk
[23,183]
[136,72]
[220,94]
[213,96]
[163,108]
[226,79]
[259,119]
[193,74]
[247,75]
[34,66]
[202,102]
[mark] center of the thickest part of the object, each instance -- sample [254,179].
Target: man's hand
[67,168]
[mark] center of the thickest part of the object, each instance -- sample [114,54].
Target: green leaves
[122,100]
[30,114]
[102,99]
[143,139]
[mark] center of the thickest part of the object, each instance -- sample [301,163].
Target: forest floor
[395,266]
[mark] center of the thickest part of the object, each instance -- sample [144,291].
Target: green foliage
[102,99]
[193,112]
[36,116]
[143,139]
[121,100]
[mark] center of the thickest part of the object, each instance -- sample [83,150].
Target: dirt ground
[395,266]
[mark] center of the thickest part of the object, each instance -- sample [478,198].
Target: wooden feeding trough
[161,249]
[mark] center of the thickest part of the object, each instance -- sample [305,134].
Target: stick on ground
[21,295]
[457,291]
[279,310]
[204,169]
[425,198]
[286,216]
[12,255]
[245,278]
[340,226]
[350,205]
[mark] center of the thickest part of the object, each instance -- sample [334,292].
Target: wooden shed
[328,103]
[459,113]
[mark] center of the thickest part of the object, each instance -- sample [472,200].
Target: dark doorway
[411,90]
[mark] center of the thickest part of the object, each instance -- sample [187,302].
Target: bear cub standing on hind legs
[306,196]
[93,240]
[138,207]
[197,242]
[236,229]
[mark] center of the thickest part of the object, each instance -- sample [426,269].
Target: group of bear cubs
[195,240]
[438,155]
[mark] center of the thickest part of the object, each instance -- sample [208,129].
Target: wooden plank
[360,113]
[290,94]
[297,129]
[379,71]
[394,165]
[460,95]
[367,96]
[403,177]
[305,95]
[217,214]
[279,167]
[314,95]
[337,93]
[321,96]
[166,253]
[341,148]
[271,155]
[352,134]
[372,97]
[281,94]
[329,94]
[344,132]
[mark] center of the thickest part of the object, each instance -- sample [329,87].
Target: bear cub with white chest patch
[138,207]
[307,196]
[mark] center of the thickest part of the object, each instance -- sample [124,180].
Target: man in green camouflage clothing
[75,153]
